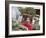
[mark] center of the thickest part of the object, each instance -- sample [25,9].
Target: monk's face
[28,20]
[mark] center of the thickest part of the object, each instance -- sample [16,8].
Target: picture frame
[36,5]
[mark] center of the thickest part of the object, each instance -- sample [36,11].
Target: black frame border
[7,18]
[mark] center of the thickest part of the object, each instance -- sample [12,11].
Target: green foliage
[28,10]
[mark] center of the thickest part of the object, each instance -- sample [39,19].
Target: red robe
[28,25]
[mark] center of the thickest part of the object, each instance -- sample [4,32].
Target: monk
[27,24]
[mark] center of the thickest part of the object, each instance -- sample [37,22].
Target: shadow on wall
[13,37]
